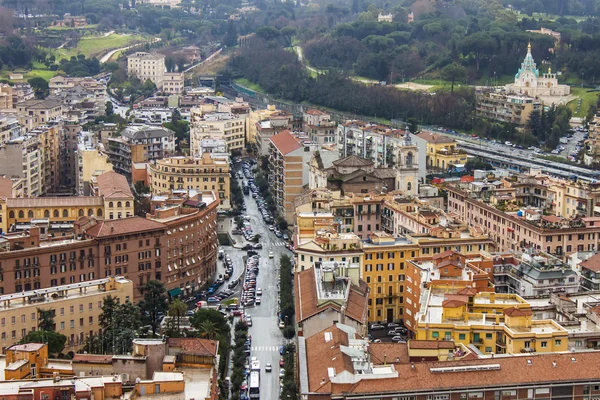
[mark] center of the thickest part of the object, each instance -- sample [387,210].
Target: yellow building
[442,151]
[384,266]
[192,173]
[76,309]
[90,162]
[115,192]
[492,322]
[256,116]
[35,112]
[24,360]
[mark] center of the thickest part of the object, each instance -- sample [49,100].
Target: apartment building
[139,144]
[357,369]
[448,270]
[177,245]
[32,160]
[534,273]
[76,308]
[287,172]
[502,107]
[110,194]
[146,66]
[442,151]
[327,293]
[6,96]
[319,126]
[277,122]
[92,160]
[58,84]
[192,173]
[173,82]
[525,228]
[255,116]
[34,113]
[225,126]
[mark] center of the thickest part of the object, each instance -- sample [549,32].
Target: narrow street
[266,335]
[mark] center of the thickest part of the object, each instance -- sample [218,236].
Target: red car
[282,362]
[237,313]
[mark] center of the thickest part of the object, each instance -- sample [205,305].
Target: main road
[266,335]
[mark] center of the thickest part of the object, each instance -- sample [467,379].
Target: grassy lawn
[42,73]
[95,45]
[587,98]
[246,83]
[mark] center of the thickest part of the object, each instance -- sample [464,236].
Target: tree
[119,323]
[39,86]
[46,320]
[109,108]
[289,332]
[181,64]
[208,329]
[170,64]
[177,309]
[218,321]
[154,304]
[56,341]
[480,44]
[452,72]
[231,36]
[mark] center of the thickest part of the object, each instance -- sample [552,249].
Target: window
[65,213]
[557,342]
[435,335]
[461,336]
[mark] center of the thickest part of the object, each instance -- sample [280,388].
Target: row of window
[55,213]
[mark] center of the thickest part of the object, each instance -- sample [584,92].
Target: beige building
[173,82]
[226,126]
[6,96]
[146,66]
[34,113]
[192,173]
[90,163]
[255,116]
[76,307]
[287,166]
[114,190]
[497,106]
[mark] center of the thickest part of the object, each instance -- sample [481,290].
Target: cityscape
[325,200]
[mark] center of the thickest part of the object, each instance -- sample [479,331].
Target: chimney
[343,315]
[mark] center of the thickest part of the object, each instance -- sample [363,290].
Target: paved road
[266,336]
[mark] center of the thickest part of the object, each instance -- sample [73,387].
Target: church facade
[529,82]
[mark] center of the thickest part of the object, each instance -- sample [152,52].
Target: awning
[175,292]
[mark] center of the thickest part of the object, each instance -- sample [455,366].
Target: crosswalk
[274,243]
[265,348]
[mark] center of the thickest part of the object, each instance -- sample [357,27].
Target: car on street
[398,339]
[392,333]
[258,246]
[281,373]
[392,325]
[257,301]
[281,362]
[271,254]
[212,300]
[377,327]
[268,367]
[281,350]
[281,324]
[259,292]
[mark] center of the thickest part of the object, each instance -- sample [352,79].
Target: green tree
[39,86]
[170,64]
[119,323]
[109,108]
[46,320]
[56,341]
[154,304]
[177,310]
[231,36]
[208,329]
[453,72]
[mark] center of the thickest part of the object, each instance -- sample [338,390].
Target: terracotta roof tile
[468,291]
[92,359]
[382,353]
[321,355]
[435,137]
[113,184]
[445,254]
[517,312]
[203,347]
[592,263]
[453,303]
[285,142]
[431,344]
[123,226]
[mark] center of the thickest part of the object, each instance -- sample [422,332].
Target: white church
[528,81]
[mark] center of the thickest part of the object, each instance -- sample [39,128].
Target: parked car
[258,246]
[398,339]
[392,325]
[377,327]
[271,254]
[281,362]
[281,324]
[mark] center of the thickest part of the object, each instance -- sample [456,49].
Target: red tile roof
[430,344]
[285,142]
[123,226]
[468,291]
[517,312]
[196,346]
[112,184]
[445,254]
[92,359]
[435,137]
[592,263]
[453,303]
[316,112]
